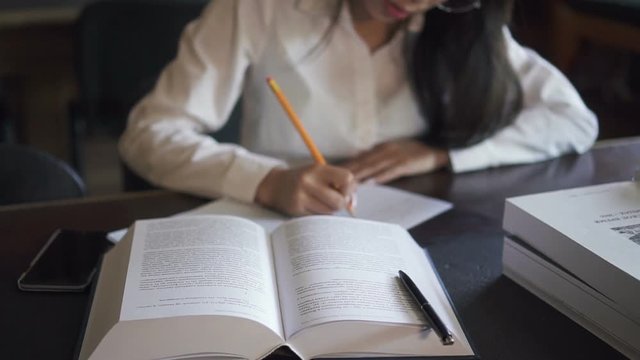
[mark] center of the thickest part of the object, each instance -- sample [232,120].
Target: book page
[570,295]
[334,269]
[201,265]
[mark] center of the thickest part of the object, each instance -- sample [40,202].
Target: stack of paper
[579,250]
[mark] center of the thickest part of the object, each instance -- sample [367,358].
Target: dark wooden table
[503,320]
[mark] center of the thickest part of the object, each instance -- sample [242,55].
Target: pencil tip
[351,205]
[269,78]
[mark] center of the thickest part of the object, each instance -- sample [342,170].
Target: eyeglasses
[459,6]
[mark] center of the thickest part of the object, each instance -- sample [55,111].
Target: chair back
[122,46]
[30,175]
[625,11]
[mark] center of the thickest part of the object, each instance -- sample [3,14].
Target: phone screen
[67,262]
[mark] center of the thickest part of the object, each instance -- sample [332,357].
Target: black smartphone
[67,262]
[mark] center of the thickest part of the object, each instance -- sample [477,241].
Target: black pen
[432,317]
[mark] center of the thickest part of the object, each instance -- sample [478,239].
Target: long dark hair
[462,79]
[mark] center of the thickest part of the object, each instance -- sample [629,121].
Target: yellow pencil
[295,120]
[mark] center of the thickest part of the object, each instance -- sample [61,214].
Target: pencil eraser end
[448,340]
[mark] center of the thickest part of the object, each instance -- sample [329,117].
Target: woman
[387,88]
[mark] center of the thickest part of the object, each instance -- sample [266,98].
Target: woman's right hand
[313,189]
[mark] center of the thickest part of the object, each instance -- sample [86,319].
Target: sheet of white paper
[268,219]
[116,235]
[395,206]
[374,202]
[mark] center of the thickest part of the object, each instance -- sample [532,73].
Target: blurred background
[71,69]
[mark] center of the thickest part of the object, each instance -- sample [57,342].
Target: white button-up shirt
[348,99]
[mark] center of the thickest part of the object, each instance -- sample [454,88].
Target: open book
[221,287]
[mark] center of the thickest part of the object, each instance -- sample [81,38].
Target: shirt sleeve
[553,121]
[166,138]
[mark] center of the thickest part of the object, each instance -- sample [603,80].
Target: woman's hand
[315,189]
[394,159]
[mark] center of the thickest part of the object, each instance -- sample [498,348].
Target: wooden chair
[611,23]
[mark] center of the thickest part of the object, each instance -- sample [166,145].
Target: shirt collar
[315,6]
[415,23]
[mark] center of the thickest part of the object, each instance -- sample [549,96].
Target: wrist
[442,159]
[267,187]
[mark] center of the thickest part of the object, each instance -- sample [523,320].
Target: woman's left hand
[394,159]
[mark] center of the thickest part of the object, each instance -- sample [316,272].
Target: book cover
[593,232]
